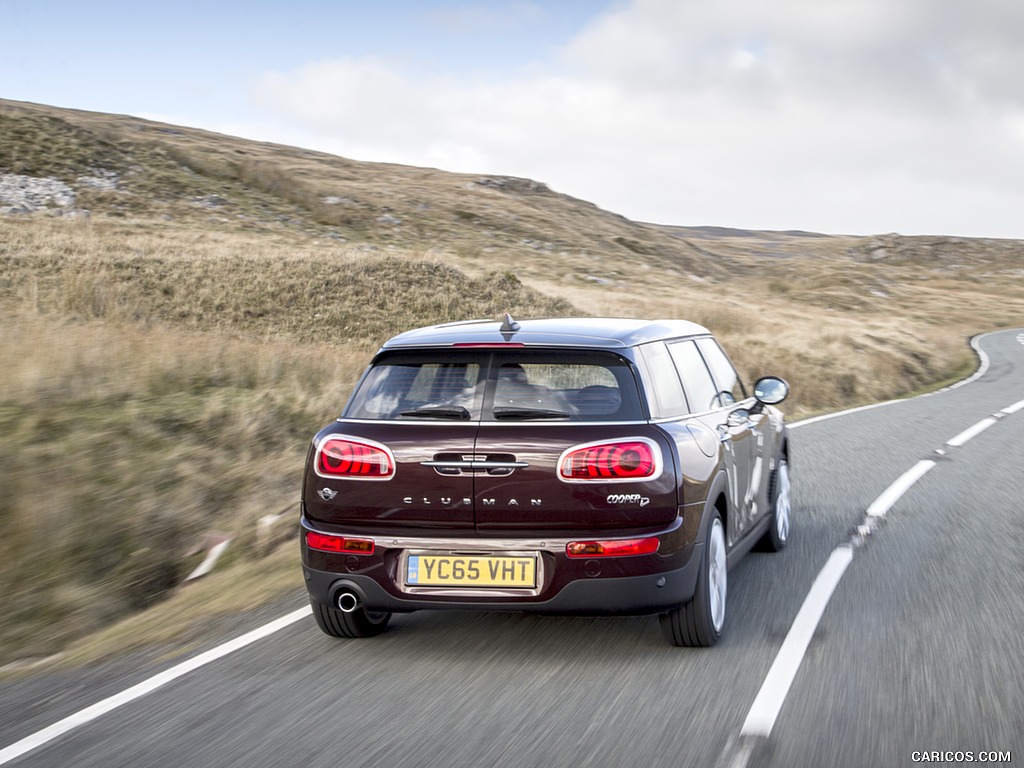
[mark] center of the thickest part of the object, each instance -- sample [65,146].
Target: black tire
[358,623]
[699,623]
[777,535]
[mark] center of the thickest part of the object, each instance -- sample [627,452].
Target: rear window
[520,385]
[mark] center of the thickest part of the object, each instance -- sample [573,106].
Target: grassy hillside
[178,321]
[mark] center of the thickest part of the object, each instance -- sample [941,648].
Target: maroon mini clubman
[565,466]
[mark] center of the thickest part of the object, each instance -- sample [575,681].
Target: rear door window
[414,386]
[570,385]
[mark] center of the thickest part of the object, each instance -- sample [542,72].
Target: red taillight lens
[614,548]
[634,459]
[327,543]
[357,459]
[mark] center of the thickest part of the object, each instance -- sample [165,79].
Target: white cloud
[838,115]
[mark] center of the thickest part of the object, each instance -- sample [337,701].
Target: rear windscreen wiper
[439,412]
[529,413]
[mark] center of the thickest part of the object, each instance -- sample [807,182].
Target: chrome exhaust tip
[347,601]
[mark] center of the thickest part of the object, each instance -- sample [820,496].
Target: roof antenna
[509,326]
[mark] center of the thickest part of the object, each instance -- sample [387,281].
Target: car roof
[590,332]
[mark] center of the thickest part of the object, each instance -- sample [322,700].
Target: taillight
[327,543]
[635,458]
[353,458]
[613,548]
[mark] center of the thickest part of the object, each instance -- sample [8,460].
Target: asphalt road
[920,647]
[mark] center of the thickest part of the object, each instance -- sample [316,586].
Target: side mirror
[770,390]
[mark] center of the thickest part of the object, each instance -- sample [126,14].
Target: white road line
[892,494]
[970,432]
[827,416]
[769,700]
[89,714]
[1013,408]
[983,365]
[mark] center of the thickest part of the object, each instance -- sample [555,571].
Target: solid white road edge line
[769,700]
[89,714]
[970,432]
[983,364]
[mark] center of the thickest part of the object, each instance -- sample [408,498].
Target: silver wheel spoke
[717,575]
[782,503]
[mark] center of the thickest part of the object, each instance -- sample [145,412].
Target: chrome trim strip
[484,546]
[474,464]
[474,546]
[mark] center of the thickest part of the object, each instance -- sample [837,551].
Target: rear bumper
[633,585]
[628,595]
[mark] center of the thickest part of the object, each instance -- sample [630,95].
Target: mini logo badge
[326,494]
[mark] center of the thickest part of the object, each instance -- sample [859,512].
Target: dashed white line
[1013,408]
[892,494]
[769,700]
[89,714]
[970,432]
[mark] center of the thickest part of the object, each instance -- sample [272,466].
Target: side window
[727,380]
[664,381]
[700,389]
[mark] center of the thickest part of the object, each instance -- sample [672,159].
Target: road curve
[916,649]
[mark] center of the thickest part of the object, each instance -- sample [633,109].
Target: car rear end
[496,474]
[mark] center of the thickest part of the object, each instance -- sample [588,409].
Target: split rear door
[503,441]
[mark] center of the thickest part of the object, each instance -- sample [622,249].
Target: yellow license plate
[471,571]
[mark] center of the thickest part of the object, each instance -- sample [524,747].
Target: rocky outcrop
[25,194]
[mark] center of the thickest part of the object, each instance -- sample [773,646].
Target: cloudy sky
[839,116]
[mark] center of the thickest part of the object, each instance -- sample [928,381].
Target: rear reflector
[613,548]
[635,458]
[327,543]
[354,458]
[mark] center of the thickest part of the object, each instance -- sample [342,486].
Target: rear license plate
[471,571]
